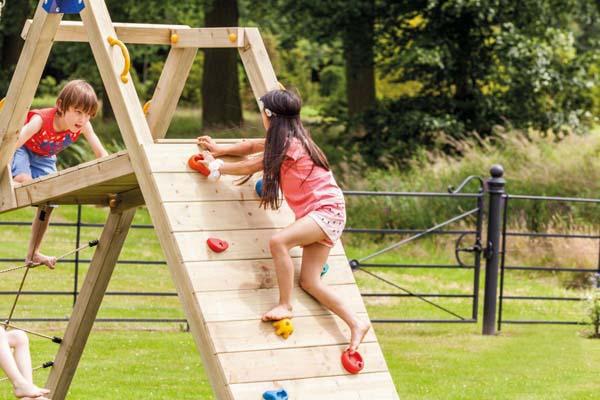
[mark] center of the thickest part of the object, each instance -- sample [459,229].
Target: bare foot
[35,398]
[357,334]
[278,312]
[29,390]
[40,259]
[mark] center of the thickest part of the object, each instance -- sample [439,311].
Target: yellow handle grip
[146,107]
[114,41]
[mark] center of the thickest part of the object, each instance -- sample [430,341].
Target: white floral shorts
[331,219]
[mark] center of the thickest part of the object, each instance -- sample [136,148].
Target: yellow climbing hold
[2,103]
[284,328]
[233,37]
[174,38]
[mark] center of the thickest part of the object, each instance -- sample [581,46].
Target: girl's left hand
[208,157]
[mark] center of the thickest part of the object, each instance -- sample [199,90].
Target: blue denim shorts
[27,162]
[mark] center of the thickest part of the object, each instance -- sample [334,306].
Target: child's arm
[245,167]
[243,148]
[29,129]
[93,140]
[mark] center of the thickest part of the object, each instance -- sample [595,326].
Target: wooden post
[137,138]
[23,85]
[257,64]
[168,90]
[88,302]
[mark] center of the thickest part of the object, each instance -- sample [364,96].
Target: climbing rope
[54,339]
[47,364]
[30,266]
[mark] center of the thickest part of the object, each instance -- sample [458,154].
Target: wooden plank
[80,179]
[137,135]
[243,245]
[193,141]
[257,274]
[25,80]
[258,66]
[219,215]
[205,38]
[269,365]
[8,200]
[174,157]
[255,335]
[192,186]
[364,386]
[168,90]
[88,302]
[239,305]
[73,31]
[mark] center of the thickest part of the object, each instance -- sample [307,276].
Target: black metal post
[477,264]
[503,262]
[495,188]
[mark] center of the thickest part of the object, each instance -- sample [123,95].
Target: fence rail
[493,250]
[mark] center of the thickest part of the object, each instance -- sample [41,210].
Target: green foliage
[536,165]
[592,306]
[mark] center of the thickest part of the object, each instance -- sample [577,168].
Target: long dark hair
[284,107]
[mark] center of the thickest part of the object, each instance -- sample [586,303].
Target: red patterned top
[47,142]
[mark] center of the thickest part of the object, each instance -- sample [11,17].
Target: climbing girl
[45,133]
[15,361]
[293,163]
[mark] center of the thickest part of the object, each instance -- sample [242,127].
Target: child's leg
[22,386]
[38,229]
[301,232]
[313,258]
[19,342]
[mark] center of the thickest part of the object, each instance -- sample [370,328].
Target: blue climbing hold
[325,269]
[258,187]
[63,6]
[275,395]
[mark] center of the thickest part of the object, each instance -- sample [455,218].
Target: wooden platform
[88,183]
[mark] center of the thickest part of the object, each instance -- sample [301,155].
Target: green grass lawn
[427,361]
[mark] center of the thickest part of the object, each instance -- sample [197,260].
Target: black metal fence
[505,268]
[492,250]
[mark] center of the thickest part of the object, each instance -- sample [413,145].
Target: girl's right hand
[206,142]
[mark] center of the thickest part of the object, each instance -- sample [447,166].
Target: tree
[352,22]
[14,15]
[221,104]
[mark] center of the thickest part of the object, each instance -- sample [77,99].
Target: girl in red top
[46,133]
[293,163]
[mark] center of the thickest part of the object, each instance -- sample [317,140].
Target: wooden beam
[127,200]
[25,80]
[73,31]
[83,180]
[8,200]
[205,38]
[168,90]
[258,66]
[88,302]
[137,136]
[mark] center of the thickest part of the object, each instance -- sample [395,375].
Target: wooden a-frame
[224,294]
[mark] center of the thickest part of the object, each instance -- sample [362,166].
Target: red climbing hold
[217,245]
[195,163]
[352,362]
